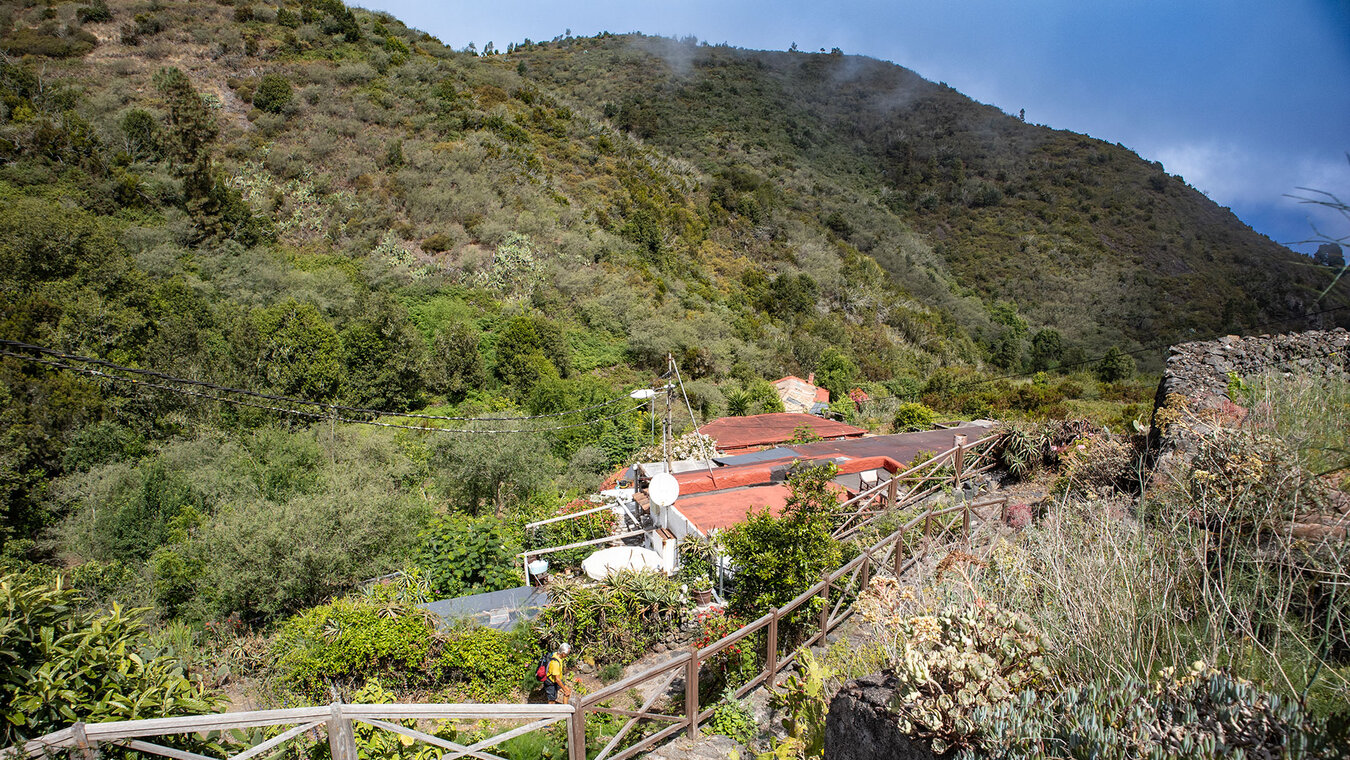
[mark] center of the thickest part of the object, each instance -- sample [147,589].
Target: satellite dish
[642,394]
[664,489]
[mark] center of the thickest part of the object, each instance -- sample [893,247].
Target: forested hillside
[319,206]
[1081,235]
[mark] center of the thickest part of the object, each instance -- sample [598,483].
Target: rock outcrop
[860,726]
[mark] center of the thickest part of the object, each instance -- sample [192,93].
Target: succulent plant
[1199,715]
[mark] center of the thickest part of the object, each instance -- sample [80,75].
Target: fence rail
[833,594]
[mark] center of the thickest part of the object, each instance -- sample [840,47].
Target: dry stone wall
[1199,370]
[1199,373]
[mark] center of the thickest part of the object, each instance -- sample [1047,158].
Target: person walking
[554,688]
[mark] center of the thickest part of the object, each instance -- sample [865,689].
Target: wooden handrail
[619,687]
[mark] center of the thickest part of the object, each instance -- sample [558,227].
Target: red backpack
[541,672]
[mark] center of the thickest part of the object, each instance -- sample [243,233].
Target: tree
[528,349]
[1115,366]
[492,469]
[143,134]
[454,366]
[790,295]
[192,126]
[59,665]
[837,373]
[384,358]
[1047,346]
[273,93]
[779,557]
[298,352]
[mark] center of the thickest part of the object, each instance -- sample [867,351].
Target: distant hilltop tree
[1329,255]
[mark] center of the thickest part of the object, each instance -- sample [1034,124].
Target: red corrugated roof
[724,509]
[888,452]
[739,433]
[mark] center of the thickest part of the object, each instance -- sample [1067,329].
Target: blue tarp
[495,609]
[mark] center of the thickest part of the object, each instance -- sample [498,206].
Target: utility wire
[316,415]
[286,399]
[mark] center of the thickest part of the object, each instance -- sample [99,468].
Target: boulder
[860,726]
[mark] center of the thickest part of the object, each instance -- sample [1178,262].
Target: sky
[1248,100]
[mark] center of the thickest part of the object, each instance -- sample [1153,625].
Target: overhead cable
[287,399]
[319,415]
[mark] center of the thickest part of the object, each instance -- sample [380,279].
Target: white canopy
[606,561]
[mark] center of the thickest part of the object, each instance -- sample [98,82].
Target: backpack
[541,672]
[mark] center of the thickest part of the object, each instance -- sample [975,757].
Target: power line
[287,399]
[319,415]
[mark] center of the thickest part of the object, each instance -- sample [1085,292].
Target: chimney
[811,378]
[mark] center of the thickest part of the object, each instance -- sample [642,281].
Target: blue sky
[1247,100]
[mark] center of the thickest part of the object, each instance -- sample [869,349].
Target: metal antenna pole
[665,437]
[707,457]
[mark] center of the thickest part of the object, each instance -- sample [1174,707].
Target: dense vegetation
[321,206]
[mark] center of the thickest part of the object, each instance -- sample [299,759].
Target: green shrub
[735,719]
[779,557]
[485,663]
[461,555]
[273,93]
[912,416]
[96,12]
[350,642]
[59,665]
[615,620]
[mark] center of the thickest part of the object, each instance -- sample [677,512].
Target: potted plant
[701,589]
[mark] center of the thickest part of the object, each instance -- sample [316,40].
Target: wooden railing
[84,739]
[831,596]
[965,460]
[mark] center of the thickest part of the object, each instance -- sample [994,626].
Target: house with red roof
[739,435]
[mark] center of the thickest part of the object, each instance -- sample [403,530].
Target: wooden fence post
[825,612]
[898,554]
[691,691]
[959,458]
[865,574]
[965,522]
[341,739]
[927,529]
[771,655]
[82,745]
[891,490]
[576,731]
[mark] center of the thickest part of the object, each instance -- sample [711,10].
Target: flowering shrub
[1017,516]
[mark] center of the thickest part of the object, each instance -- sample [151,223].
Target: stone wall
[1199,370]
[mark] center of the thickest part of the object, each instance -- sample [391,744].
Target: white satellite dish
[642,394]
[664,489]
